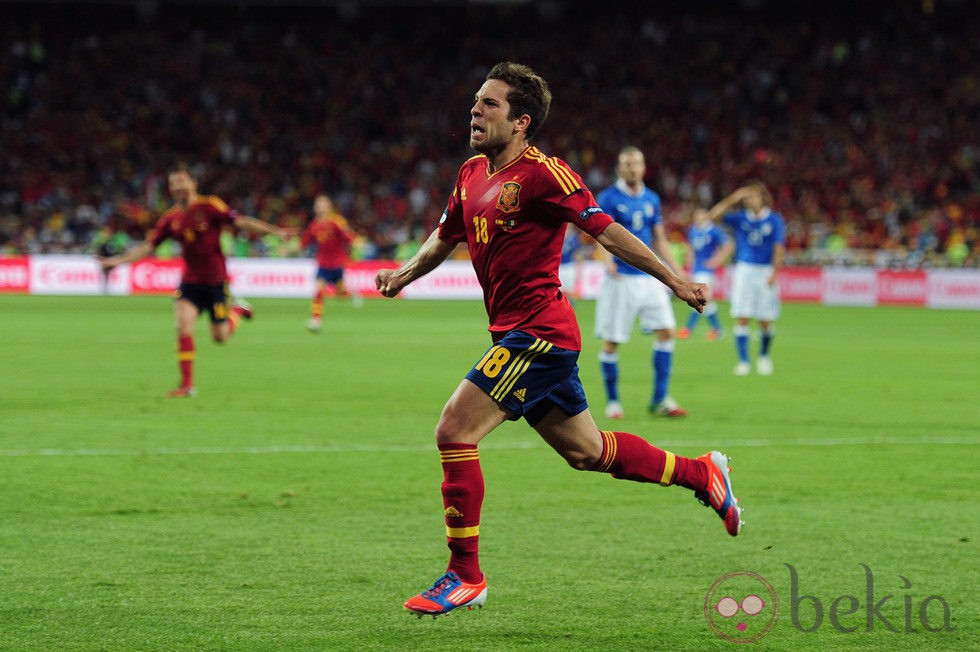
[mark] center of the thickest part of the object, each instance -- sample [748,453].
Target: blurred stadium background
[862,117]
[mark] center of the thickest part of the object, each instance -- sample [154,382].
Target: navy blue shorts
[529,376]
[330,275]
[212,299]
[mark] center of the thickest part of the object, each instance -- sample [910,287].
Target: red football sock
[234,318]
[462,497]
[185,359]
[628,457]
[316,308]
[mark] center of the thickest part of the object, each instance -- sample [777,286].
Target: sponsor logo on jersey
[589,212]
[521,394]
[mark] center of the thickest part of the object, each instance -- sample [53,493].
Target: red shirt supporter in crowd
[196,223]
[333,239]
[511,205]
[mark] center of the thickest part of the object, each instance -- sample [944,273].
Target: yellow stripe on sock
[669,465]
[609,451]
[184,357]
[462,532]
[460,456]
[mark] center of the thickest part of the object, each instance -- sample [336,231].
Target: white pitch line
[353,448]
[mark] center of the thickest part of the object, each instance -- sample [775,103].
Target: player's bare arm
[138,252]
[721,256]
[610,262]
[261,227]
[429,256]
[729,202]
[623,244]
[778,251]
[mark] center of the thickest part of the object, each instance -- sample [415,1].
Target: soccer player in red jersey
[511,204]
[333,238]
[196,222]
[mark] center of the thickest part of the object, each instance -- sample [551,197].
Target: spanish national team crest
[510,197]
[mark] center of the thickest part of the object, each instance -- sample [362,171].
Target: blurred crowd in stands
[863,120]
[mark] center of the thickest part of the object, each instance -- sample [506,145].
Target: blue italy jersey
[756,235]
[569,246]
[705,241]
[638,213]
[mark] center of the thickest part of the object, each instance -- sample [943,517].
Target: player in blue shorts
[511,205]
[329,232]
[760,236]
[529,376]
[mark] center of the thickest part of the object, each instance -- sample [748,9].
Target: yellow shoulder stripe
[217,202]
[558,170]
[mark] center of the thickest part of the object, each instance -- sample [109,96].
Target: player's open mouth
[476,129]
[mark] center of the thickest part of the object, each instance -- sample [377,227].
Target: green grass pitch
[294,503]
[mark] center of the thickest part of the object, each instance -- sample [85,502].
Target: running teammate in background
[196,222]
[628,294]
[760,236]
[333,238]
[708,248]
[511,204]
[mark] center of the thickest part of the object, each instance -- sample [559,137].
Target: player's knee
[449,430]
[443,434]
[580,460]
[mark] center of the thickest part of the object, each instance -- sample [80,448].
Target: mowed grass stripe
[276,450]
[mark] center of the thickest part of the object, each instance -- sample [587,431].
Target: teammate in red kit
[196,222]
[333,238]
[511,204]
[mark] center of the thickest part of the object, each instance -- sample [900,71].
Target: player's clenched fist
[385,284]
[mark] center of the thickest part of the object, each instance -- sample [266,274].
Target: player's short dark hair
[529,93]
[182,167]
[766,195]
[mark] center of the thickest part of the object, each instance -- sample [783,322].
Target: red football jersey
[198,230]
[514,223]
[333,239]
